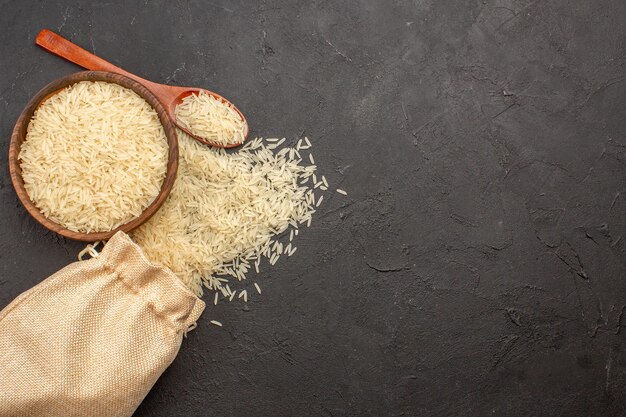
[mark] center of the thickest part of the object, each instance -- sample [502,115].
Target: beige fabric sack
[92,339]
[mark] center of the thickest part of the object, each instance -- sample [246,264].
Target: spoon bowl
[192,90]
[169,96]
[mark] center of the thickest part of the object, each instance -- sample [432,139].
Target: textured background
[477,266]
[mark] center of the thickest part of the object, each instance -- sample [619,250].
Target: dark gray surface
[477,266]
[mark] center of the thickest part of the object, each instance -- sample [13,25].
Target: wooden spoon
[169,96]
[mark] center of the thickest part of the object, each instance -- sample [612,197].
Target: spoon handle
[60,46]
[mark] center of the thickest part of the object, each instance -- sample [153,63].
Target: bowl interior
[19,136]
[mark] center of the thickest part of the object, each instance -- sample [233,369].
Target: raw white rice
[210,118]
[94,157]
[226,210]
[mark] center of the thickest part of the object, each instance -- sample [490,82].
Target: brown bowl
[19,135]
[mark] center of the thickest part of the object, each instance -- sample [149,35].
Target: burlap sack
[92,339]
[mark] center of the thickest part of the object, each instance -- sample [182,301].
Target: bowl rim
[19,136]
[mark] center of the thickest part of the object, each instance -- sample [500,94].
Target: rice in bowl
[94,157]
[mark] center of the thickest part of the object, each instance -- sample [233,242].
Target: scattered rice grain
[226,210]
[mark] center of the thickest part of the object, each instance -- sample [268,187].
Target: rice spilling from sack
[210,118]
[226,210]
[94,157]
